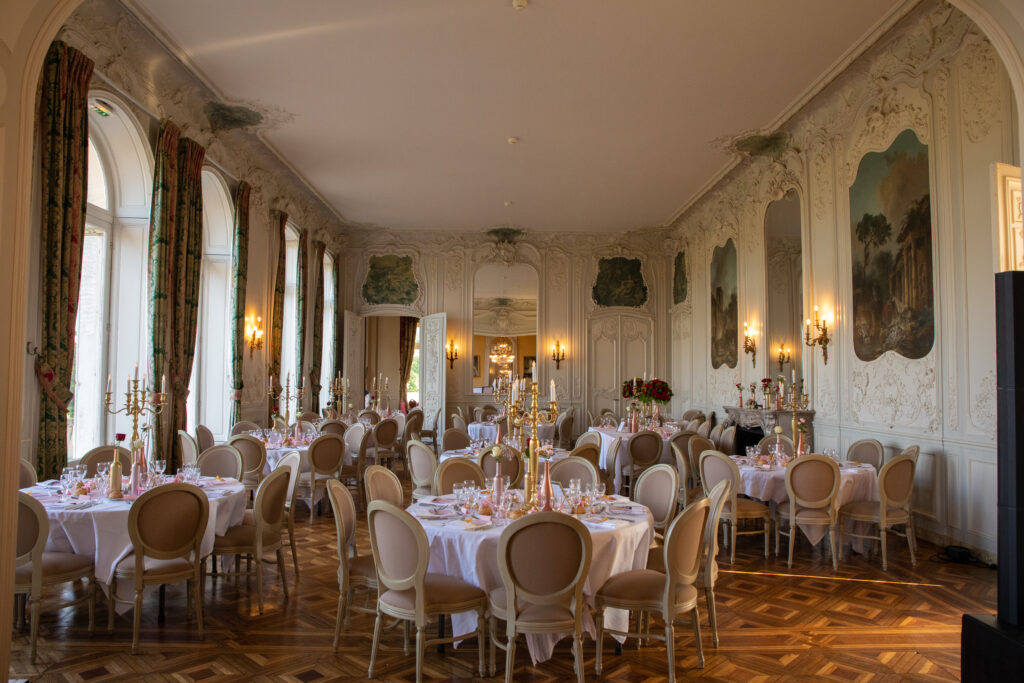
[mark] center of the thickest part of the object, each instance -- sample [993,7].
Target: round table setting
[467,547]
[624,461]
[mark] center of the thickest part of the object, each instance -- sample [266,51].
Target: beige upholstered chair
[715,467]
[697,445]
[369,416]
[687,493]
[333,427]
[303,427]
[681,440]
[488,410]
[385,439]
[383,484]
[254,459]
[166,525]
[221,461]
[644,450]
[727,444]
[656,488]
[459,423]
[564,430]
[716,435]
[413,426]
[705,429]
[868,451]
[422,466]
[204,438]
[478,415]
[573,467]
[694,425]
[431,436]
[541,597]
[766,444]
[357,440]
[35,568]
[895,487]
[692,414]
[812,482]
[94,457]
[589,437]
[671,593]
[453,439]
[292,461]
[26,474]
[354,437]
[309,416]
[511,464]
[590,452]
[709,564]
[611,466]
[326,454]
[455,470]
[189,448]
[264,536]
[912,451]
[407,590]
[243,427]
[354,571]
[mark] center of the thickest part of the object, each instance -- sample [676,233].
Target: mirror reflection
[784,287]
[504,323]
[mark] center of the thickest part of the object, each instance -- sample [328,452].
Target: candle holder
[750,344]
[821,335]
[785,357]
[137,403]
[534,418]
[288,398]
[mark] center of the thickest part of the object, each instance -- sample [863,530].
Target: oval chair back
[812,481]
[565,430]
[400,552]
[189,448]
[697,445]
[254,458]
[26,474]
[896,482]
[912,451]
[354,436]
[459,423]
[244,427]
[590,452]
[573,467]
[279,424]
[511,463]
[692,414]
[704,429]
[94,457]
[657,488]
[685,476]
[589,437]
[326,454]
[333,427]
[765,445]
[727,444]
[422,464]
[455,470]
[413,426]
[204,438]
[385,434]
[869,451]
[716,435]
[684,546]
[454,439]
[644,448]
[221,461]
[612,468]
[369,416]
[383,484]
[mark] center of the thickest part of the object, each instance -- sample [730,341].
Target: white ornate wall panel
[620,346]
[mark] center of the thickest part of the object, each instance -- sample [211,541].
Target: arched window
[327,370]
[208,402]
[110,330]
[288,330]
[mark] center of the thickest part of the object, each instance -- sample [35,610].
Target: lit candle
[288,379]
[109,383]
[163,385]
[515,393]
[792,376]
[136,372]
[553,395]
[533,370]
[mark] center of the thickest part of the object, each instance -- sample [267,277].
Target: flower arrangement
[656,390]
[631,388]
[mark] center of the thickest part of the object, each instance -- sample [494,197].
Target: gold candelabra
[821,335]
[339,395]
[138,401]
[288,398]
[534,417]
[750,343]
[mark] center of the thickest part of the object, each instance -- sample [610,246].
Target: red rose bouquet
[631,388]
[656,390]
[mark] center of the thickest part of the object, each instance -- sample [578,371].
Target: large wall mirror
[504,323]
[783,286]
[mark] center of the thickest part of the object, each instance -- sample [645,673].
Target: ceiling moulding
[870,37]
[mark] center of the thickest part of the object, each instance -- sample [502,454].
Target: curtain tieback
[180,389]
[236,395]
[52,386]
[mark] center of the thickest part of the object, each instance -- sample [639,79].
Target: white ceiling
[401,108]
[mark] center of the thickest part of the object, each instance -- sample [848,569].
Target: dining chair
[589,437]
[326,455]
[812,482]
[353,437]
[36,568]
[264,536]
[244,427]
[333,427]
[671,593]
[541,597]
[204,438]
[767,444]
[254,459]
[511,463]
[727,444]
[354,571]
[454,438]
[705,429]
[221,461]
[385,437]
[422,465]
[26,474]
[657,489]
[564,431]
[611,469]
[309,416]
[189,449]
[357,440]
[292,461]
[95,456]
[687,493]
[590,452]
[369,416]
[695,446]
[694,425]
[644,449]
[166,525]
[869,451]
[407,591]
[573,467]
[715,467]
[383,484]
[681,439]
[895,488]
[303,427]
[459,423]
[912,451]
[692,414]
[431,436]
[716,435]
[456,470]
[591,420]
[413,427]
[488,410]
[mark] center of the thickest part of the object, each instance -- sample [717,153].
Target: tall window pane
[288,332]
[85,418]
[327,371]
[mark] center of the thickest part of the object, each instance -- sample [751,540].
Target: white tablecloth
[102,530]
[473,557]
[625,461]
[857,482]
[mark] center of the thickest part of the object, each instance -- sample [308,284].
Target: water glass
[159,466]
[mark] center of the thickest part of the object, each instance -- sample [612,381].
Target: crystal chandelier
[502,352]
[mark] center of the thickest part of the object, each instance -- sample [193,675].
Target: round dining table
[469,550]
[98,527]
[625,461]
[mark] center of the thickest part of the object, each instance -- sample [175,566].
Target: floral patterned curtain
[239,273]
[277,311]
[64,137]
[301,278]
[316,360]
[406,350]
[339,319]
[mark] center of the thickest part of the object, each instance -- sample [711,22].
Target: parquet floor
[808,623]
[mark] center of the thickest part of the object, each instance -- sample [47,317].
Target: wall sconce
[785,357]
[750,344]
[557,353]
[254,333]
[821,335]
[451,352]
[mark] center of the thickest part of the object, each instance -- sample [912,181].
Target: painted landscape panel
[724,306]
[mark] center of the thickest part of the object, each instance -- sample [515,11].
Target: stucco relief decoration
[895,391]
[979,91]
[891,232]
[679,279]
[724,306]
[620,282]
[390,280]
[983,408]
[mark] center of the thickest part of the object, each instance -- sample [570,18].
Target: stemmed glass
[67,483]
[159,466]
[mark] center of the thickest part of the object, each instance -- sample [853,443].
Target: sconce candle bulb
[254,333]
[557,353]
[750,343]
[451,352]
[821,336]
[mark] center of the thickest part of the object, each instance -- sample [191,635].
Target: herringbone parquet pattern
[859,623]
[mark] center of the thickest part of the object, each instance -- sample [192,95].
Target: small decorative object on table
[115,471]
[739,387]
[802,447]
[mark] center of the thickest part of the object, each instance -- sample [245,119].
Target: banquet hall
[701,308]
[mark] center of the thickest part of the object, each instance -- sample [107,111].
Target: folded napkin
[621,509]
[478,523]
